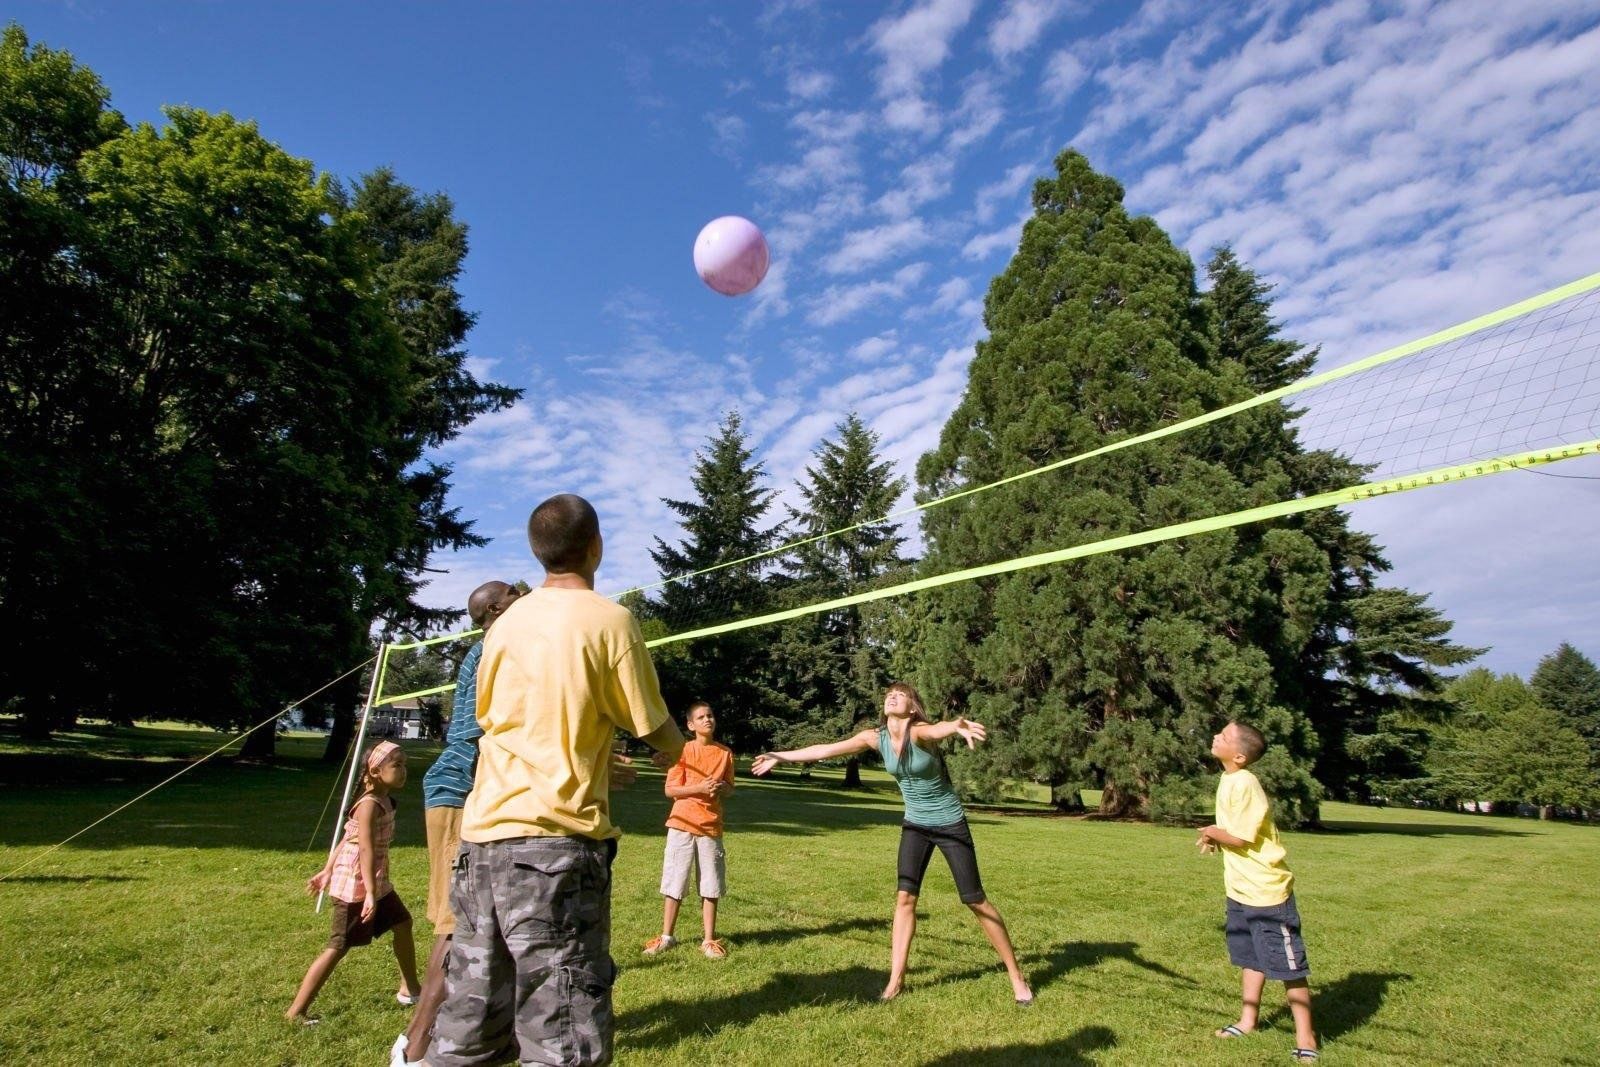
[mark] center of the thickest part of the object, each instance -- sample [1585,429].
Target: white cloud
[1007,187]
[1063,75]
[728,132]
[916,43]
[839,302]
[1021,24]
[874,348]
[810,84]
[951,294]
[977,116]
[922,181]
[985,245]
[867,248]
[912,114]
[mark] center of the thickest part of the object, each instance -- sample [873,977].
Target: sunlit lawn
[176,932]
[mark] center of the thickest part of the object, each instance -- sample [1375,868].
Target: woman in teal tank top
[909,744]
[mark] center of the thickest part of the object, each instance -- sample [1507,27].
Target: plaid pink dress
[345,883]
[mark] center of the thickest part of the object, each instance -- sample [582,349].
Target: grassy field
[176,932]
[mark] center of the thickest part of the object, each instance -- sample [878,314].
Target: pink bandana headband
[380,752]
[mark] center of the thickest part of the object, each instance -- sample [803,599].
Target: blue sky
[1392,167]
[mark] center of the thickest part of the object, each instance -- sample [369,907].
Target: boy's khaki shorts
[685,850]
[444,841]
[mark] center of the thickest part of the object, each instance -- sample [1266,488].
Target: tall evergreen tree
[724,523]
[1112,671]
[831,665]
[1567,682]
[1368,675]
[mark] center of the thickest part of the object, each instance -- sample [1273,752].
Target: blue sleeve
[464,715]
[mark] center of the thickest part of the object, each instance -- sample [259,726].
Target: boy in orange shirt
[697,784]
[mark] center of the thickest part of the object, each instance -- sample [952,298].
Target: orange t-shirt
[699,762]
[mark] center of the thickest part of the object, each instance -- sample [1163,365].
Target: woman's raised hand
[764,763]
[971,732]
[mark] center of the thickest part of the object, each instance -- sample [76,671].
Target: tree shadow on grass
[1073,1051]
[1422,829]
[1344,1006]
[667,1022]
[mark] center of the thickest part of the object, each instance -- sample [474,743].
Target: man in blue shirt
[444,794]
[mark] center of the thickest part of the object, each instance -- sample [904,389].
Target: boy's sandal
[714,950]
[1231,1031]
[1304,1055]
[407,999]
[307,1020]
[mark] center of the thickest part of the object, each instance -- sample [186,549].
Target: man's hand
[1204,842]
[623,772]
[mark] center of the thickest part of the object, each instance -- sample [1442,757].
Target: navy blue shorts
[1267,940]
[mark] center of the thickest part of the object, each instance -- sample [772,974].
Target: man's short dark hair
[560,532]
[1251,741]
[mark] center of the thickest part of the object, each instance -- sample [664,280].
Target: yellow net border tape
[1351,495]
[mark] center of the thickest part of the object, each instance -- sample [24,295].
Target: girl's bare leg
[316,974]
[405,954]
[905,928]
[995,928]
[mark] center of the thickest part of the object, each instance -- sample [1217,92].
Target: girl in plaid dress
[356,877]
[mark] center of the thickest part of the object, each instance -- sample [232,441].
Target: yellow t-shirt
[1254,876]
[561,669]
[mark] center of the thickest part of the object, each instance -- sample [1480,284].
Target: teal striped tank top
[931,800]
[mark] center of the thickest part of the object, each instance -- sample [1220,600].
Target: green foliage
[833,666]
[1567,682]
[218,383]
[1506,747]
[1112,672]
[722,524]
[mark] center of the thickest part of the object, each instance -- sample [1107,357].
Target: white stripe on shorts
[1288,946]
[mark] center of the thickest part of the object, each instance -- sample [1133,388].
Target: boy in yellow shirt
[1263,925]
[530,968]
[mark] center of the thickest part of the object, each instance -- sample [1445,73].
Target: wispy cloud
[912,46]
[840,302]
[876,244]
[1021,24]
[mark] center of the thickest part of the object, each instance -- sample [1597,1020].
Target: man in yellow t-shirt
[1263,924]
[530,969]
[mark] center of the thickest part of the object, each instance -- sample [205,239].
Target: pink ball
[730,255]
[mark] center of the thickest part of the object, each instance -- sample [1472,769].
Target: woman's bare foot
[892,990]
[1021,990]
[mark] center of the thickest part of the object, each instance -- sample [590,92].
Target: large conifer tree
[1113,671]
[725,522]
[830,665]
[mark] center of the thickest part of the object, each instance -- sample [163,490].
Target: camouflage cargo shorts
[530,969]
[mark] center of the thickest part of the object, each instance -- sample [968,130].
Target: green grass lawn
[176,932]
